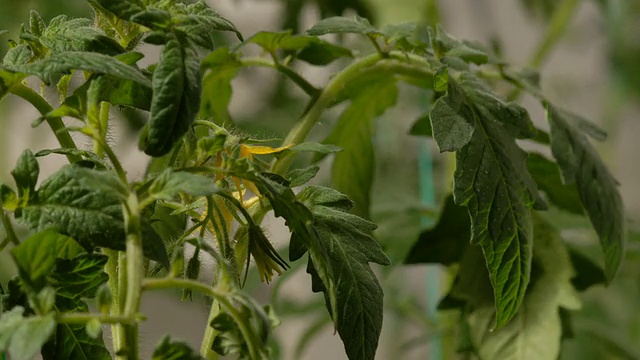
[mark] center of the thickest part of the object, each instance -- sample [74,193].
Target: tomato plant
[95,235]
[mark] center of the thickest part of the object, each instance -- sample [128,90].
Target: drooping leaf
[70,202]
[223,67]
[22,337]
[342,25]
[535,331]
[350,248]
[597,188]
[177,85]
[25,175]
[52,68]
[446,241]
[492,181]
[353,168]
[169,184]
[168,349]
[547,177]
[36,256]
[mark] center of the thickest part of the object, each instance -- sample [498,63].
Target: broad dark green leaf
[51,69]
[71,341]
[422,126]
[547,177]
[64,34]
[222,66]
[22,337]
[350,248]
[25,175]
[169,184]
[168,349]
[177,85]
[79,277]
[535,331]
[36,256]
[198,22]
[70,202]
[353,168]
[597,188]
[492,181]
[447,241]
[342,25]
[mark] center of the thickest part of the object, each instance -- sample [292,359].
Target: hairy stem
[44,108]
[210,333]
[112,270]
[135,271]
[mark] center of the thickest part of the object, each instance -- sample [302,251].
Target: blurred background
[591,66]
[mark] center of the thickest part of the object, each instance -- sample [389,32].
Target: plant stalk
[44,108]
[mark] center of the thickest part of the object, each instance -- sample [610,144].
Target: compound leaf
[597,188]
[350,248]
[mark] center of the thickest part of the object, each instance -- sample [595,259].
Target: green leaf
[123,9]
[298,177]
[63,35]
[422,127]
[198,22]
[547,177]
[153,18]
[52,68]
[597,188]
[349,248]
[465,50]
[535,332]
[71,341]
[223,67]
[451,131]
[18,55]
[169,184]
[177,85]
[71,202]
[309,48]
[587,272]
[21,338]
[25,175]
[447,241]
[36,256]
[353,168]
[79,277]
[316,147]
[168,349]
[342,25]
[9,198]
[8,79]
[492,181]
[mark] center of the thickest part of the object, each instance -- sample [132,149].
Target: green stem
[396,62]
[210,333]
[83,318]
[8,227]
[112,270]
[44,108]
[557,26]
[221,296]
[114,160]
[135,271]
[305,85]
